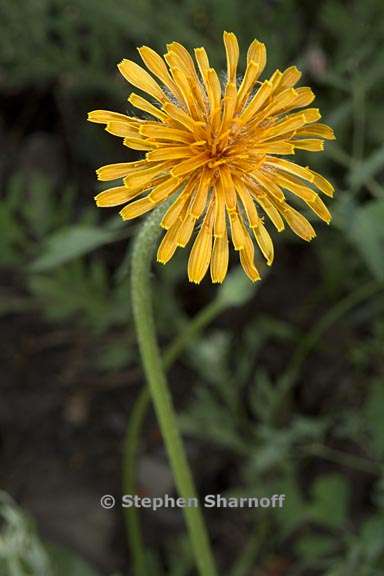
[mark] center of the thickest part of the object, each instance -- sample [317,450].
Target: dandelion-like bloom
[218,150]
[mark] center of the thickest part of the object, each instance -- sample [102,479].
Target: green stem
[247,559]
[136,419]
[142,256]
[204,317]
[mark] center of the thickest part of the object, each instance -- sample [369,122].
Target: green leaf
[368,168]
[237,289]
[294,512]
[39,210]
[66,562]
[365,229]
[21,550]
[373,411]
[330,495]
[371,536]
[116,356]
[312,546]
[70,243]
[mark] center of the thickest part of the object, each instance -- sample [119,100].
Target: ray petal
[137,76]
[232,53]
[220,258]
[200,256]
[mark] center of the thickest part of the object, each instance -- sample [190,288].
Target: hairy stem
[135,424]
[142,256]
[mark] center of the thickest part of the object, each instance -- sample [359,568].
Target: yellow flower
[217,149]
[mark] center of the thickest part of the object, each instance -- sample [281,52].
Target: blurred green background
[282,393]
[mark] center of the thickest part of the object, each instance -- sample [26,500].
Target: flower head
[219,150]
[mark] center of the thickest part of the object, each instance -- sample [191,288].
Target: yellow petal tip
[176,147]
